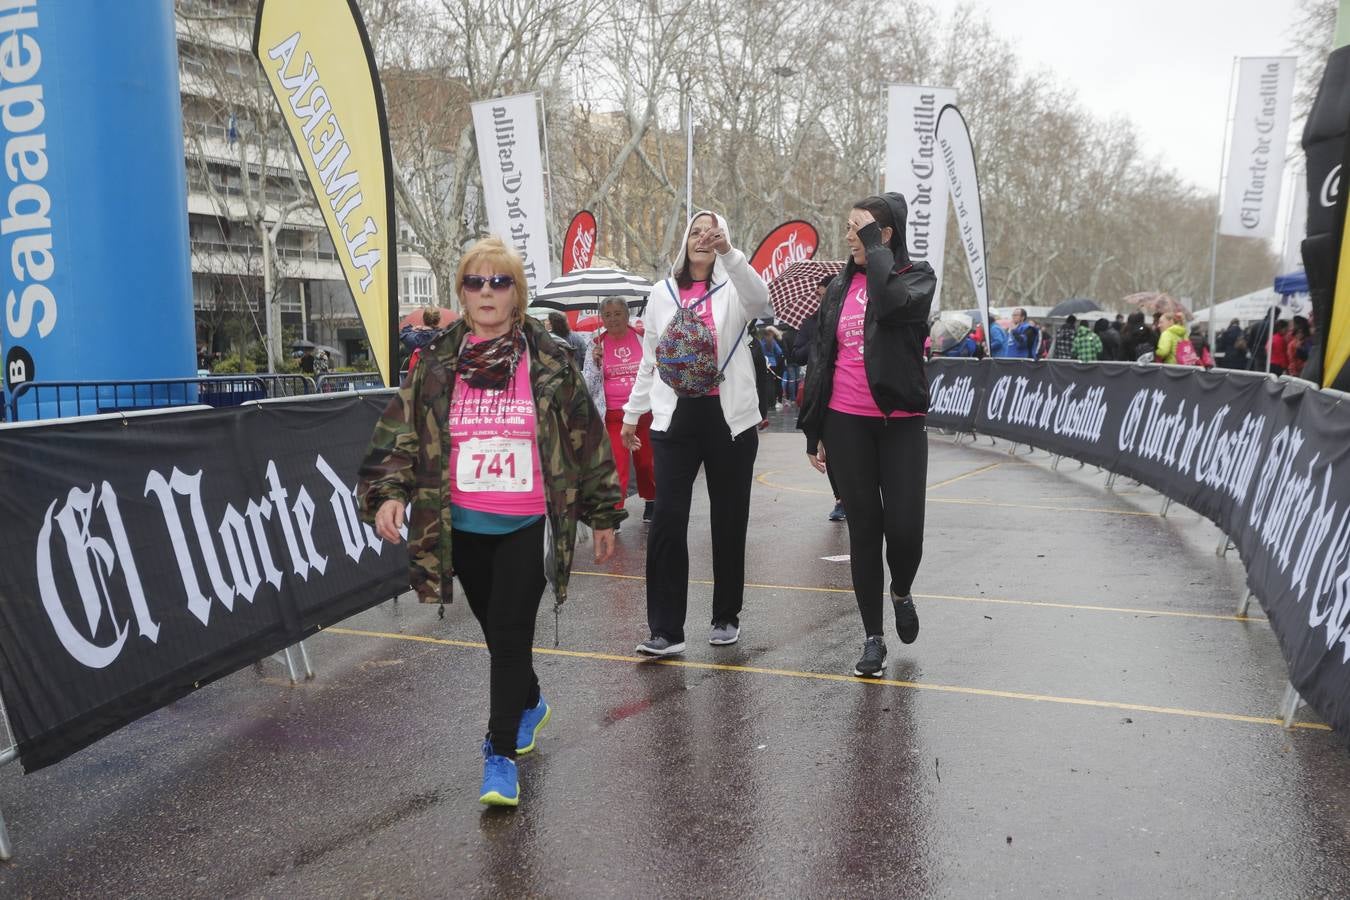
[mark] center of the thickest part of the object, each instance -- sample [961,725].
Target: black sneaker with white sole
[873,661]
[648,509]
[906,617]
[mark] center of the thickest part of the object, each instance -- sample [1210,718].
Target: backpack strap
[675,295]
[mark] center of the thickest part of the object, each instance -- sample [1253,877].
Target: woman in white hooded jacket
[716,432]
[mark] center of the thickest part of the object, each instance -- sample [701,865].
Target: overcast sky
[1165,64]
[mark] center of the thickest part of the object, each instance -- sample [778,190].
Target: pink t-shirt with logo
[622,356]
[494,449]
[689,295]
[851,393]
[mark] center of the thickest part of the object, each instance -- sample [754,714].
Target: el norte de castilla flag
[321,67]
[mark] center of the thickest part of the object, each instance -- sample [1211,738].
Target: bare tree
[439,58]
[785,127]
[1312,34]
[240,149]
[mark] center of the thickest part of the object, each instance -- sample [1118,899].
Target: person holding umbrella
[611,370]
[865,400]
[802,356]
[701,391]
[494,441]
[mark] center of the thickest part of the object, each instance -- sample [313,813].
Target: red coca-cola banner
[584,319]
[788,243]
[578,248]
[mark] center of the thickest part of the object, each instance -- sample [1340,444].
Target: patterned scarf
[490,365]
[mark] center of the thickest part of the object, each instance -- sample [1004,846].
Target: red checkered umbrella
[793,293]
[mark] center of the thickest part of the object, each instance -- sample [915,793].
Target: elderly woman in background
[495,443]
[611,369]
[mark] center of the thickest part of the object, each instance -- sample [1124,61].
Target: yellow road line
[827,676]
[979,471]
[1086,509]
[764,480]
[1134,611]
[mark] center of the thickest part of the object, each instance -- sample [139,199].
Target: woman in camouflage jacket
[495,443]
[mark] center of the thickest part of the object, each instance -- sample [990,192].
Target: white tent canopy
[1256,305]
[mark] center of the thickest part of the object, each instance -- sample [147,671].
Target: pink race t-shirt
[851,394]
[494,449]
[689,295]
[622,356]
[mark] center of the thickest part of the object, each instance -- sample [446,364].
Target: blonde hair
[492,254]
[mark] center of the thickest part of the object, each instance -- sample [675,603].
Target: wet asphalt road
[1082,715]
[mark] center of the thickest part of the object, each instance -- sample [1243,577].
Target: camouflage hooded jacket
[409,460]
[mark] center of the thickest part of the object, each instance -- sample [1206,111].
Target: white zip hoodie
[744,298]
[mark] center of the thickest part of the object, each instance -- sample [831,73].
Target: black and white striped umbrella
[581,288]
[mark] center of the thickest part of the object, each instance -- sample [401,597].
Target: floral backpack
[686,354]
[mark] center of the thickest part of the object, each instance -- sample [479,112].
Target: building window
[422,293]
[417,288]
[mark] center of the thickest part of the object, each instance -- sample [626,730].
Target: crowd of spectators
[1163,337]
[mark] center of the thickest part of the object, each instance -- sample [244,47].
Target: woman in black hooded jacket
[865,399]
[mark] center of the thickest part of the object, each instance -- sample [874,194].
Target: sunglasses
[496,282]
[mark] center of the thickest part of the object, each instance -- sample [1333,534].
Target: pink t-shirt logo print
[494,455]
[851,394]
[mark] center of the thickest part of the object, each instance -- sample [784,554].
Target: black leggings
[503,579]
[881,467]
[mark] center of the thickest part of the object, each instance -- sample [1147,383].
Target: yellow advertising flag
[319,62]
[1337,331]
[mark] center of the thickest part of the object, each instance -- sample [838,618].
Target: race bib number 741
[495,464]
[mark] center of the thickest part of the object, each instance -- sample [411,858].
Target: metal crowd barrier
[1291,701]
[295,658]
[36,400]
[349,381]
[8,754]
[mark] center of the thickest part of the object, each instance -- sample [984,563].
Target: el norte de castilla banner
[321,67]
[914,170]
[956,151]
[1257,147]
[145,557]
[1257,456]
[513,180]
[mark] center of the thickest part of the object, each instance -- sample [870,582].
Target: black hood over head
[899,212]
[899,246]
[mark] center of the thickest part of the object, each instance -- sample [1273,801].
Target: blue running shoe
[531,720]
[500,785]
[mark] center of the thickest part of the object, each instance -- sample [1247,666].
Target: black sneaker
[906,618]
[648,508]
[837,514]
[873,661]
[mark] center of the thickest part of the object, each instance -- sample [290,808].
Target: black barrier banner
[1258,456]
[144,557]
[953,385]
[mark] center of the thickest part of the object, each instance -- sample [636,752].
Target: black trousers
[881,468]
[698,436]
[503,579]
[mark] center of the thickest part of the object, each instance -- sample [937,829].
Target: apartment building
[247,194]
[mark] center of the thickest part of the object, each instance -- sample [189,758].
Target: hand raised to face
[859,219]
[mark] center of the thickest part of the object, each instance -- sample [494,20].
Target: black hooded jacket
[900,293]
